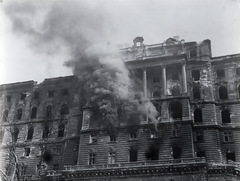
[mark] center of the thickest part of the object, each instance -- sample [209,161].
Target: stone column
[184,78]
[145,82]
[164,79]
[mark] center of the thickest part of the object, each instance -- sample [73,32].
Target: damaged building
[51,133]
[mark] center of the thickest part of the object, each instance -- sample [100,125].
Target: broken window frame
[228,155]
[65,92]
[36,94]
[238,71]
[61,130]
[8,98]
[176,131]
[196,93]
[176,152]
[64,110]
[56,166]
[201,153]
[46,131]
[153,134]
[113,138]
[175,110]
[15,135]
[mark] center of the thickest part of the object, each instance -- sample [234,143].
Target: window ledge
[132,140]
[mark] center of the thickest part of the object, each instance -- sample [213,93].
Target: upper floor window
[175,76]
[152,153]
[15,134]
[175,110]
[192,53]
[19,114]
[65,92]
[56,166]
[49,111]
[50,93]
[1,134]
[201,153]
[228,137]
[92,159]
[176,131]
[34,112]
[5,116]
[153,134]
[61,128]
[45,130]
[156,94]
[93,139]
[156,79]
[230,156]
[176,152]
[111,157]
[239,90]
[36,95]
[226,116]
[196,92]
[27,151]
[175,91]
[197,115]
[64,109]
[23,96]
[199,136]
[133,135]
[223,93]
[133,154]
[9,98]
[113,138]
[220,73]
[196,75]
[238,71]
[30,133]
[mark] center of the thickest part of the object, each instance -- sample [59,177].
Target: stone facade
[197,135]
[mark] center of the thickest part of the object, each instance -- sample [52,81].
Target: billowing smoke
[85,30]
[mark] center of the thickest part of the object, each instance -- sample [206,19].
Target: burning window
[228,137]
[49,111]
[220,73]
[152,153]
[19,114]
[15,134]
[198,116]
[91,160]
[65,92]
[175,110]
[111,157]
[9,98]
[36,95]
[196,92]
[223,93]
[61,128]
[226,116]
[64,110]
[30,133]
[34,112]
[201,153]
[176,152]
[199,136]
[27,151]
[93,139]
[133,154]
[230,156]
[50,93]
[196,75]
[23,96]
[5,116]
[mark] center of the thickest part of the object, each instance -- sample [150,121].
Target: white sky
[155,20]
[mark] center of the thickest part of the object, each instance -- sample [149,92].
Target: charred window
[196,92]
[133,155]
[226,116]
[198,116]
[15,134]
[152,153]
[64,110]
[36,95]
[228,137]
[238,71]
[193,53]
[156,79]
[220,73]
[156,94]
[9,98]
[196,75]
[175,110]
[45,131]
[50,93]
[201,153]
[19,114]
[92,159]
[23,96]
[5,116]
[65,92]
[61,128]
[176,152]
[49,111]
[30,133]
[34,112]
[230,156]
[223,93]
[199,136]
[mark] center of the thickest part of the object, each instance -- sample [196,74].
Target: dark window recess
[56,167]
[196,93]
[201,153]
[226,116]
[238,70]
[50,93]
[176,152]
[61,129]
[30,133]
[199,136]
[176,131]
[19,114]
[153,153]
[1,134]
[133,155]
[198,116]
[113,138]
[228,137]
[196,75]
[230,156]
[133,135]
[27,152]
[64,110]
[175,110]
[156,79]
[15,135]
[36,95]
[174,76]
[23,96]
[5,116]
[92,157]
[9,98]
[220,73]
[49,111]
[223,93]
[45,131]
[239,90]
[158,107]
[156,94]
[193,53]
[34,112]
[175,91]
[65,92]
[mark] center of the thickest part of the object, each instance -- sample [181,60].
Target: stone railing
[137,164]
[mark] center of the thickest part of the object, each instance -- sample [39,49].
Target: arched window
[223,93]
[5,116]
[15,134]
[196,92]
[49,111]
[156,94]
[34,112]
[226,116]
[175,110]
[198,115]
[64,109]
[175,91]
[61,128]
[30,133]
[19,114]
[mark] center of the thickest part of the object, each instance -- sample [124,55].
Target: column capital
[183,62]
[163,65]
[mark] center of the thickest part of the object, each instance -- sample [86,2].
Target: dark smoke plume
[84,29]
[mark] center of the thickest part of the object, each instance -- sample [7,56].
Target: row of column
[164,79]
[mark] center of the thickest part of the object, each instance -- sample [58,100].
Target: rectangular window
[201,153]
[23,96]
[93,139]
[91,158]
[192,53]
[36,95]
[65,92]
[196,75]
[153,134]
[176,131]
[27,151]
[133,155]
[133,136]
[113,138]
[57,150]
[228,136]
[9,98]
[230,156]
[199,136]
[238,71]
[111,158]
[50,93]
[56,167]
[220,73]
